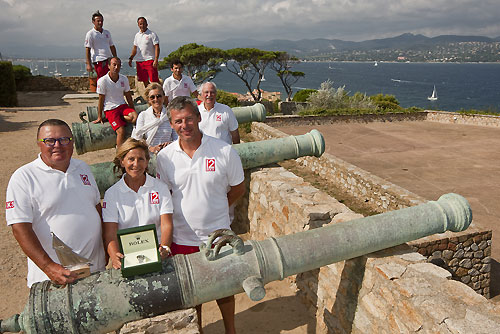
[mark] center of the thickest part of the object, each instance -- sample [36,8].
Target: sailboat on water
[434,96]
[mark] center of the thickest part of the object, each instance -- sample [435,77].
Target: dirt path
[279,312]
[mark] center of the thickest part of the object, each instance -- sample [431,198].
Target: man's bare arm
[132,55]
[235,136]
[89,61]
[236,192]
[113,50]
[157,55]
[27,239]
[100,109]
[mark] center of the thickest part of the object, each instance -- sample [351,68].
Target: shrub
[227,98]
[386,102]
[21,72]
[8,97]
[328,97]
[302,95]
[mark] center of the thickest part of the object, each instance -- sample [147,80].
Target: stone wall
[427,115]
[392,291]
[447,250]
[456,118]
[77,84]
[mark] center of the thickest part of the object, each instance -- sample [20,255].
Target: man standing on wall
[146,51]
[205,176]
[99,46]
[111,89]
[178,84]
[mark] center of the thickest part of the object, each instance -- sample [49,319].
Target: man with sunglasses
[55,194]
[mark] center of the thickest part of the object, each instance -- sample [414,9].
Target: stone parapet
[381,196]
[391,291]
[467,119]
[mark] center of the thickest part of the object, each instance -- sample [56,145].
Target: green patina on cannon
[89,137]
[104,301]
[252,155]
[255,113]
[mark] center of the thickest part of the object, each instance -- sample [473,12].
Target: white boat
[263,79]
[375,64]
[434,96]
[56,73]
[223,65]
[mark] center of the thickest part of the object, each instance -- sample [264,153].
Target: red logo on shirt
[154,198]
[104,205]
[210,165]
[185,85]
[85,179]
[122,83]
[218,118]
[107,36]
[9,205]
[157,175]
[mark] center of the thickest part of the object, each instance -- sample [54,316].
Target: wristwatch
[166,248]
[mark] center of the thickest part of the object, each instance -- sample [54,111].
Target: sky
[28,24]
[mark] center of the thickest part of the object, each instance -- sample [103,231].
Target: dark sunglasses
[157,96]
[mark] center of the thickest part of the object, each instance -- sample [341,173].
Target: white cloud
[59,22]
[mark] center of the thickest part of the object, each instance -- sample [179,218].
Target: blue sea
[458,85]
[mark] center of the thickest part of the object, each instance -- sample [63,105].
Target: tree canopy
[201,63]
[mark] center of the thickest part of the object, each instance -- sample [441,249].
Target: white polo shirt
[199,187]
[165,133]
[99,44]
[62,203]
[218,122]
[145,42]
[173,87]
[113,91]
[128,208]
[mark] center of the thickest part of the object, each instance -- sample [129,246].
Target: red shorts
[181,249]
[101,68]
[115,116]
[146,72]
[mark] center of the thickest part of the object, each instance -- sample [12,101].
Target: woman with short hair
[153,124]
[137,199]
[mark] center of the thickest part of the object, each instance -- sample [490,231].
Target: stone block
[177,322]
[465,263]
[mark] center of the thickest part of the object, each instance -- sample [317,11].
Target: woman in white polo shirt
[137,199]
[152,124]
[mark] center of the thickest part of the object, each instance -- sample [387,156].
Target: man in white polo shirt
[205,176]
[217,119]
[111,89]
[147,49]
[178,84]
[57,194]
[99,46]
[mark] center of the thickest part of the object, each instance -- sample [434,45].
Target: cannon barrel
[252,155]
[90,137]
[254,113]
[105,301]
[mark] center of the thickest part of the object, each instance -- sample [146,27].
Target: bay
[458,85]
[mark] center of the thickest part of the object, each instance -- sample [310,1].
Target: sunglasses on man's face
[157,96]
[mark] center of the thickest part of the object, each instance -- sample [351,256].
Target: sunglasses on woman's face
[157,96]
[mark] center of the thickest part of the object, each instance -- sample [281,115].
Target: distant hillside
[405,47]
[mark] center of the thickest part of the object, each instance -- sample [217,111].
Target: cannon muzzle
[104,301]
[89,137]
[252,155]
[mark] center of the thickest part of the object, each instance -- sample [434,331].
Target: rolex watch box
[139,245]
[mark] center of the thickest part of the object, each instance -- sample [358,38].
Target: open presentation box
[139,245]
